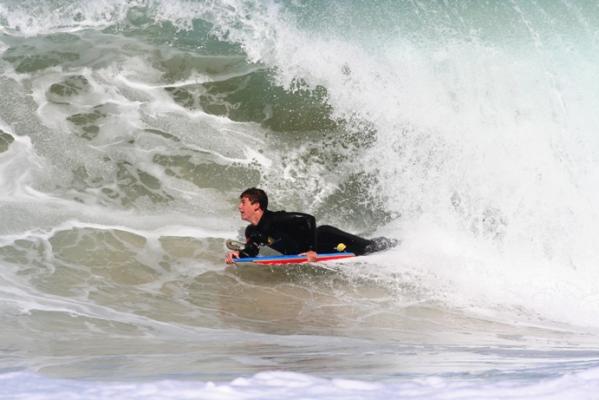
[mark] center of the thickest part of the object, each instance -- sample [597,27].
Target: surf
[128,130]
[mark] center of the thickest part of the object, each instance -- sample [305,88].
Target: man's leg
[329,237]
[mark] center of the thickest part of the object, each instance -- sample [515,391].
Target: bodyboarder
[292,233]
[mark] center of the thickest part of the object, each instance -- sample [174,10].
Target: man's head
[255,195]
[253,203]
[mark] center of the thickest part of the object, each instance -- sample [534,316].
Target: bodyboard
[289,260]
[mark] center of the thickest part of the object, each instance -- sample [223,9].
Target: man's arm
[230,256]
[251,249]
[253,240]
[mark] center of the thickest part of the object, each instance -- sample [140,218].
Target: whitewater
[466,130]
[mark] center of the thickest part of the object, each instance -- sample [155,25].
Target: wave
[469,138]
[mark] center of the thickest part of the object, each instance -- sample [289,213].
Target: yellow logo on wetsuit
[340,247]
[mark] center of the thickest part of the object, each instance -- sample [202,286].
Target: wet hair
[256,195]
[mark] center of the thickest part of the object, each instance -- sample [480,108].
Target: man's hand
[310,255]
[230,256]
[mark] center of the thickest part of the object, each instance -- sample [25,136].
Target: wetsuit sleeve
[252,241]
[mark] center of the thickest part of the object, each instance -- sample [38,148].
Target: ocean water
[467,130]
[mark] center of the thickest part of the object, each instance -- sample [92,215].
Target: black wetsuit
[293,233]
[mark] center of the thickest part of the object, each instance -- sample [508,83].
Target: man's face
[247,209]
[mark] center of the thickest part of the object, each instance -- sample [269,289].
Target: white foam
[31,20]
[16,166]
[4,126]
[290,386]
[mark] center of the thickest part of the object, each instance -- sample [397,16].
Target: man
[294,232]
